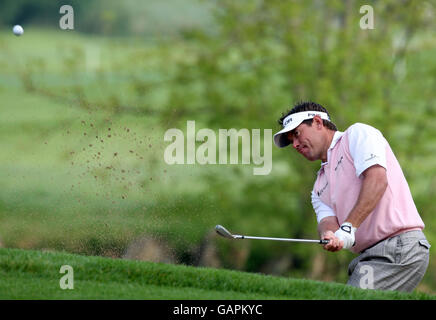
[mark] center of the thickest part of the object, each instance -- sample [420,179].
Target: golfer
[361,199]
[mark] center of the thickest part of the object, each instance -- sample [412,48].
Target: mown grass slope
[30,274]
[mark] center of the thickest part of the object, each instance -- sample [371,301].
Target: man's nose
[295,143]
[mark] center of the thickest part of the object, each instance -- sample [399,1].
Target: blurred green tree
[266,55]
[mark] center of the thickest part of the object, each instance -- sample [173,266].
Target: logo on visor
[312,115]
[286,122]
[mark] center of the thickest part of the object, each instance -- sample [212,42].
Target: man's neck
[329,138]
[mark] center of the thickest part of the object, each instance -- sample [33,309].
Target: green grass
[29,274]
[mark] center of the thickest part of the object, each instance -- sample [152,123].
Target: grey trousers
[397,263]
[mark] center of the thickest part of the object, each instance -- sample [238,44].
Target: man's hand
[326,229]
[346,235]
[335,244]
[343,238]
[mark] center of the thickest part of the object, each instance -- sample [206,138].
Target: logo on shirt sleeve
[373,156]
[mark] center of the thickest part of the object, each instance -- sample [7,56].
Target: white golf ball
[18,30]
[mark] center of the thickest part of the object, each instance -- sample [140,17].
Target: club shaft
[237,236]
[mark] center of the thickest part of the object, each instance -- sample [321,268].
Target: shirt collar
[338,135]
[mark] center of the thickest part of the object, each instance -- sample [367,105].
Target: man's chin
[310,158]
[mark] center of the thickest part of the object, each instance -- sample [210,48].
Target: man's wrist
[348,227]
[346,234]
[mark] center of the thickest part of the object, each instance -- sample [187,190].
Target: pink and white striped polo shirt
[339,182]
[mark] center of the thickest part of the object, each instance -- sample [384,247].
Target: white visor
[291,122]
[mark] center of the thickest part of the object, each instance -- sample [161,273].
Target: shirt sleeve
[367,147]
[321,209]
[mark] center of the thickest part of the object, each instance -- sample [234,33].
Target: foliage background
[83,114]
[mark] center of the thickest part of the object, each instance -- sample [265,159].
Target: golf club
[226,234]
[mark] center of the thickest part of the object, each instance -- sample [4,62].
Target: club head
[223,232]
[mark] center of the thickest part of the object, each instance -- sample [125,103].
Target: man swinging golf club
[361,199]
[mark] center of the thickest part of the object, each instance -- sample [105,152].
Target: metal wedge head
[223,232]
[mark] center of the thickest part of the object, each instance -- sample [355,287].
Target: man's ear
[317,121]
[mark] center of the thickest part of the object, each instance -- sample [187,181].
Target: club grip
[324,241]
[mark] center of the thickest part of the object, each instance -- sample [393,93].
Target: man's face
[307,140]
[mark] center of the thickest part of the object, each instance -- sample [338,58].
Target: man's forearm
[373,187]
